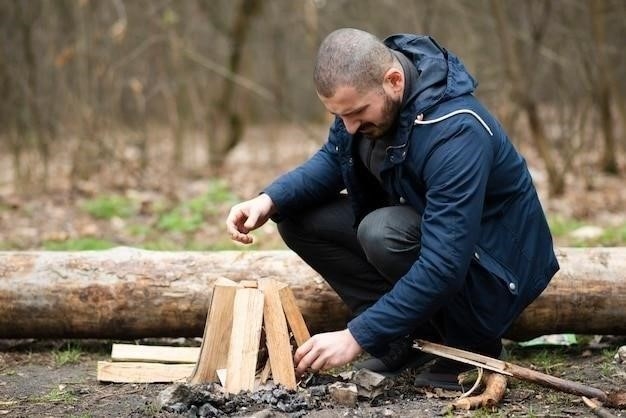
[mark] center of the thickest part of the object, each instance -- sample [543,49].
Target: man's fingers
[302,357]
[307,362]
[303,350]
[318,364]
[235,225]
[251,221]
[242,238]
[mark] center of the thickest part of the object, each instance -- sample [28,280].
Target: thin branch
[228,75]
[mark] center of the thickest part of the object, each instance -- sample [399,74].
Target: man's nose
[352,125]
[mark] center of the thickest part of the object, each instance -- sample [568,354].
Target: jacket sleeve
[455,176]
[315,181]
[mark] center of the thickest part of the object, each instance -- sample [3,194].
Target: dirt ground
[35,383]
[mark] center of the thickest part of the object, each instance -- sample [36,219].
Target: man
[440,234]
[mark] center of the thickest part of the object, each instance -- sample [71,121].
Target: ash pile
[319,391]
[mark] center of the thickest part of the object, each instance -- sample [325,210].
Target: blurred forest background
[139,122]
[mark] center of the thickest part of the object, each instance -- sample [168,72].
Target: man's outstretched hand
[327,350]
[248,216]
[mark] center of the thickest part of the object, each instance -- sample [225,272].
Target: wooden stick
[154,353]
[518,372]
[277,336]
[597,409]
[217,332]
[133,372]
[244,340]
[294,316]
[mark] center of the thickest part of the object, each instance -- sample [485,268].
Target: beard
[390,111]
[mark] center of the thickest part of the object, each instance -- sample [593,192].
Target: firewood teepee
[237,316]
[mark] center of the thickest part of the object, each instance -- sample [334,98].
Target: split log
[127,293]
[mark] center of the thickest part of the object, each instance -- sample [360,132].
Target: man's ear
[395,79]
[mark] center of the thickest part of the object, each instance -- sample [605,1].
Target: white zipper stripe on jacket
[419,121]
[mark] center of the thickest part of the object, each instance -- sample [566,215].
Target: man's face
[372,113]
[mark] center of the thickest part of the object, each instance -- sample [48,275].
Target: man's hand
[248,216]
[327,350]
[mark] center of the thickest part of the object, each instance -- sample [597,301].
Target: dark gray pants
[363,265]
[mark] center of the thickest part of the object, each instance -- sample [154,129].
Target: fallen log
[127,293]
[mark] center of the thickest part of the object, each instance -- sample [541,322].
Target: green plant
[614,236]
[561,226]
[138,230]
[548,361]
[56,395]
[189,216]
[69,355]
[81,244]
[180,220]
[218,192]
[107,207]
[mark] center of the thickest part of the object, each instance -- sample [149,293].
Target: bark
[127,293]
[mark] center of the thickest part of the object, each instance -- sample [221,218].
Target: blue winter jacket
[456,167]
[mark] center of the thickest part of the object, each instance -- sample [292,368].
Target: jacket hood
[442,75]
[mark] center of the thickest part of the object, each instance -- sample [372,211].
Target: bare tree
[603,86]
[522,96]
[86,74]
[226,113]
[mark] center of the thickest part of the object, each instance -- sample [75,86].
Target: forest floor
[58,379]
[122,205]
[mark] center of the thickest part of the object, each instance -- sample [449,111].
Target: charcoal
[210,400]
[209,411]
[192,412]
[318,391]
[177,408]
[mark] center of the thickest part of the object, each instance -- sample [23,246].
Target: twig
[597,409]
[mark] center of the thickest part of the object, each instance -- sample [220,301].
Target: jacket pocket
[495,268]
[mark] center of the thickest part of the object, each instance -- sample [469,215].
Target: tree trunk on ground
[127,293]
